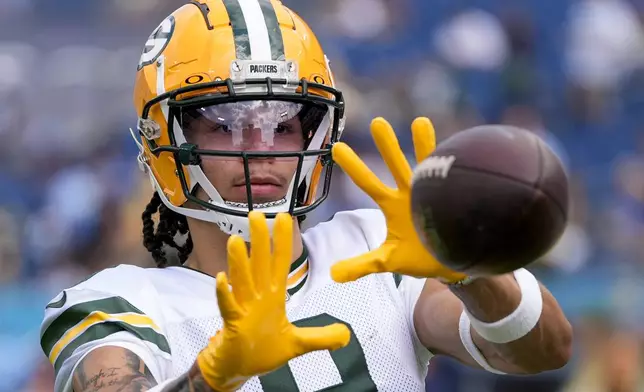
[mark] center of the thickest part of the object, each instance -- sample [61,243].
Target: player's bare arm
[545,347]
[508,320]
[111,369]
[504,323]
[116,369]
[192,381]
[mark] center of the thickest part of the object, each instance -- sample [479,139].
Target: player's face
[254,126]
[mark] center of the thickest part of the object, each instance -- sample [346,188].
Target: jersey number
[350,362]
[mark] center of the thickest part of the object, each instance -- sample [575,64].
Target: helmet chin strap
[255,206]
[238,225]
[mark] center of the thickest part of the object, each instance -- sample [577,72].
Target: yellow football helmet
[218,62]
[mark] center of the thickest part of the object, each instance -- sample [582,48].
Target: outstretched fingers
[385,138]
[282,250]
[260,250]
[331,337]
[424,137]
[355,268]
[358,171]
[227,304]
[240,271]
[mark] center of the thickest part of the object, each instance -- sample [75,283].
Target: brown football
[490,200]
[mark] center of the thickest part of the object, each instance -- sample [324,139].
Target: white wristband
[466,337]
[520,322]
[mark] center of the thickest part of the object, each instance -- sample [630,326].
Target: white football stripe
[260,44]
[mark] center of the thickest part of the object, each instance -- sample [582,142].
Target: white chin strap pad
[239,225]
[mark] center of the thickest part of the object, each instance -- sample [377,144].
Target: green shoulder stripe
[103,330]
[76,313]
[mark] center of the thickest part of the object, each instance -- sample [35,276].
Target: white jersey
[166,316]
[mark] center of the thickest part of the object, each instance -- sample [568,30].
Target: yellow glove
[257,338]
[402,252]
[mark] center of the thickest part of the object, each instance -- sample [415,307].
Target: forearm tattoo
[131,375]
[128,373]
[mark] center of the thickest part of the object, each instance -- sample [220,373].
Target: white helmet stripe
[256,30]
[260,44]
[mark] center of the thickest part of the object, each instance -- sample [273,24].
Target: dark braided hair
[170,224]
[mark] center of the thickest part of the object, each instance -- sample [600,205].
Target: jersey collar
[297,276]
[299,273]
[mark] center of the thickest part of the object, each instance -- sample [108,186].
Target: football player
[239,126]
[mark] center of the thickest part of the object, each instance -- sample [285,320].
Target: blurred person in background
[611,360]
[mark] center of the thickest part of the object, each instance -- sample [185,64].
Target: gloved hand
[402,252]
[257,338]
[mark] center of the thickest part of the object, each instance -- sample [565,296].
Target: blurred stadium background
[571,71]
